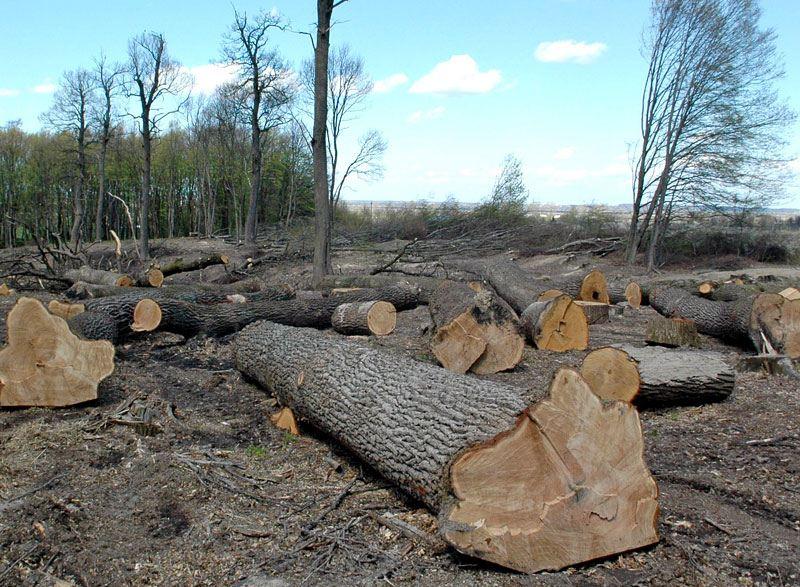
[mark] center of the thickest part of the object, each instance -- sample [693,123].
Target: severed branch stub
[529,487]
[44,364]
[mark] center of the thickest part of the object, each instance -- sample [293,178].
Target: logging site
[521,309]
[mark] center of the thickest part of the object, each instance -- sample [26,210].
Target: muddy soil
[211,493]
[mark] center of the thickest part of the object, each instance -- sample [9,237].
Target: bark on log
[185,263]
[596,312]
[150,278]
[671,332]
[630,292]
[190,319]
[44,364]
[98,277]
[198,293]
[767,321]
[475,330]
[556,325]
[219,274]
[426,285]
[658,376]
[378,318]
[529,488]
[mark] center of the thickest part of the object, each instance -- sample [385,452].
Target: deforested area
[230,356]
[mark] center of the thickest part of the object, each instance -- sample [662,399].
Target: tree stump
[596,312]
[378,318]
[526,487]
[671,332]
[556,325]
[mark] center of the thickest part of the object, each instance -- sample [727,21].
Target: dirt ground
[211,493]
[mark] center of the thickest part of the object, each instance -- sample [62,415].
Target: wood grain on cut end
[777,319]
[45,364]
[65,310]
[790,293]
[377,318]
[284,419]
[549,294]
[146,316]
[594,288]
[556,325]
[155,277]
[566,485]
[706,288]
[459,344]
[124,281]
[633,293]
[611,374]
[381,318]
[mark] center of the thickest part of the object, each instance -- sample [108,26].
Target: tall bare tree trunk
[144,203]
[255,177]
[99,233]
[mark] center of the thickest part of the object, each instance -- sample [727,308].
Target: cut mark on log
[378,318]
[556,325]
[284,419]
[790,293]
[44,364]
[596,312]
[779,319]
[611,374]
[459,344]
[548,494]
[65,310]
[146,316]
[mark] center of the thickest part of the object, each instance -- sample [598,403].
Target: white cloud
[457,75]
[6,92]
[564,153]
[45,88]
[210,76]
[388,84]
[421,115]
[794,165]
[569,50]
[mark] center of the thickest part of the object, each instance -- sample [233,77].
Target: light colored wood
[594,288]
[378,318]
[633,293]
[596,312]
[285,420]
[341,290]
[458,345]
[790,293]
[706,287]
[5,290]
[549,294]
[65,310]
[117,244]
[567,484]
[556,325]
[778,319]
[146,316]
[155,277]
[124,281]
[44,364]
[611,374]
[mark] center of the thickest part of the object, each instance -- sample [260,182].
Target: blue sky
[555,82]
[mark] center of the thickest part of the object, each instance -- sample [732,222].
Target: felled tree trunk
[671,332]
[527,487]
[150,278]
[191,263]
[557,324]
[657,375]
[426,285]
[44,364]
[201,291]
[211,274]
[98,277]
[378,318]
[630,292]
[475,330]
[220,319]
[596,312]
[767,321]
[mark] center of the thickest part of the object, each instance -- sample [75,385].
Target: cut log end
[611,374]
[284,419]
[549,294]
[596,312]
[790,293]
[45,364]
[146,316]
[5,290]
[155,277]
[633,293]
[556,325]
[568,484]
[378,318]
[594,288]
[776,320]
[706,288]
[65,310]
[124,281]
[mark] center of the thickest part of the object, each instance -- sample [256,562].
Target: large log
[220,319]
[671,332]
[766,321]
[98,277]
[527,487]
[191,263]
[252,290]
[475,330]
[426,285]
[44,364]
[556,324]
[630,292]
[658,375]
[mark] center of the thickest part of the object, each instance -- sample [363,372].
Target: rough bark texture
[596,312]
[97,277]
[622,291]
[200,292]
[425,284]
[377,318]
[150,278]
[671,332]
[180,264]
[413,422]
[475,330]
[220,274]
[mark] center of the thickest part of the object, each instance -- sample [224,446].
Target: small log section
[526,487]
[767,321]
[153,277]
[556,325]
[475,330]
[98,277]
[630,292]
[596,312]
[378,318]
[181,264]
[671,332]
[44,364]
[658,375]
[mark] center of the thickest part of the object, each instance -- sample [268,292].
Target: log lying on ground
[425,284]
[152,277]
[191,263]
[630,292]
[527,487]
[44,364]
[98,277]
[378,318]
[767,321]
[475,330]
[219,274]
[657,375]
[190,319]
[201,293]
[65,310]
[596,312]
[557,324]
[671,332]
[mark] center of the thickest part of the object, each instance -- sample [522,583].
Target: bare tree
[108,80]
[157,81]
[262,76]
[711,120]
[70,113]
